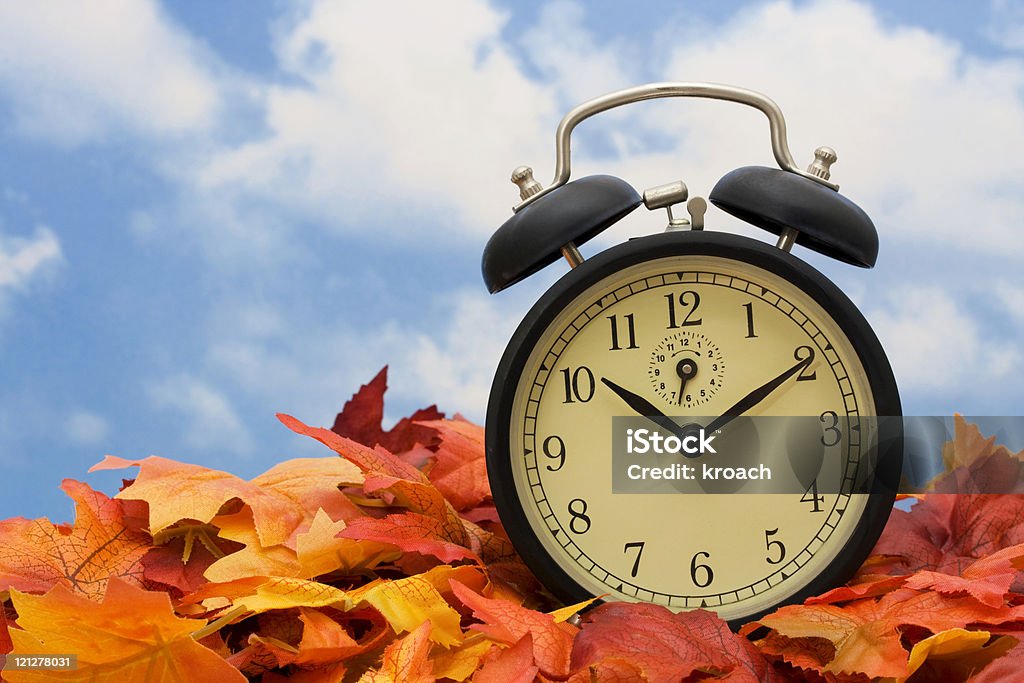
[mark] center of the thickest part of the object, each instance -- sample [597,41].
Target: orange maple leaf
[386,472]
[512,665]
[866,634]
[459,470]
[987,580]
[507,623]
[366,458]
[133,635]
[177,491]
[410,532]
[254,559]
[661,645]
[405,660]
[36,555]
[311,484]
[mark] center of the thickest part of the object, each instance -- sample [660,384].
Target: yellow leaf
[320,552]
[566,613]
[257,594]
[459,662]
[967,648]
[253,559]
[406,603]
[133,635]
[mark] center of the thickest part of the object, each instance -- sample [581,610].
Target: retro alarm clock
[764,333]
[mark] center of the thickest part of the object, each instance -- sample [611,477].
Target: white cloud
[75,71]
[568,57]
[924,131]
[417,110]
[459,365]
[22,259]
[87,428]
[1006,24]
[1012,298]
[935,345]
[209,420]
[424,132]
[313,373]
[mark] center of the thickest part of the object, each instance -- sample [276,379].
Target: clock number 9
[573,390]
[708,575]
[580,522]
[558,454]
[688,300]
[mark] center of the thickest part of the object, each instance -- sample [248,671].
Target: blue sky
[210,212]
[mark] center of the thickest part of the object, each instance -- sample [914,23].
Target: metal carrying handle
[652,91]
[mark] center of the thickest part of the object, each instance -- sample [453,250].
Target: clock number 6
[695,566]
[688,300]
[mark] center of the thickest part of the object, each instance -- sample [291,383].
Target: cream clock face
[691,336]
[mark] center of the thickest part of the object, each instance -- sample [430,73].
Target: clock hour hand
[756,396]
[686,368]
[645,408]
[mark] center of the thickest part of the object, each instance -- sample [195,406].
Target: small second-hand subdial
[686,369]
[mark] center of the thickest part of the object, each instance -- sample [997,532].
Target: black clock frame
[695,243]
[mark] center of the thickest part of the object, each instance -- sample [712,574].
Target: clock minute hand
[755,397]
[644,407]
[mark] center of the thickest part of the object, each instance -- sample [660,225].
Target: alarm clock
[685,322]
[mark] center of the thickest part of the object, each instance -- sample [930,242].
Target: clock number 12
[689,301]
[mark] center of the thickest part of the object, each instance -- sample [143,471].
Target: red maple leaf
[665,646]
[361,418]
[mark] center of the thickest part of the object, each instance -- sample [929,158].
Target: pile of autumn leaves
[388,563]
